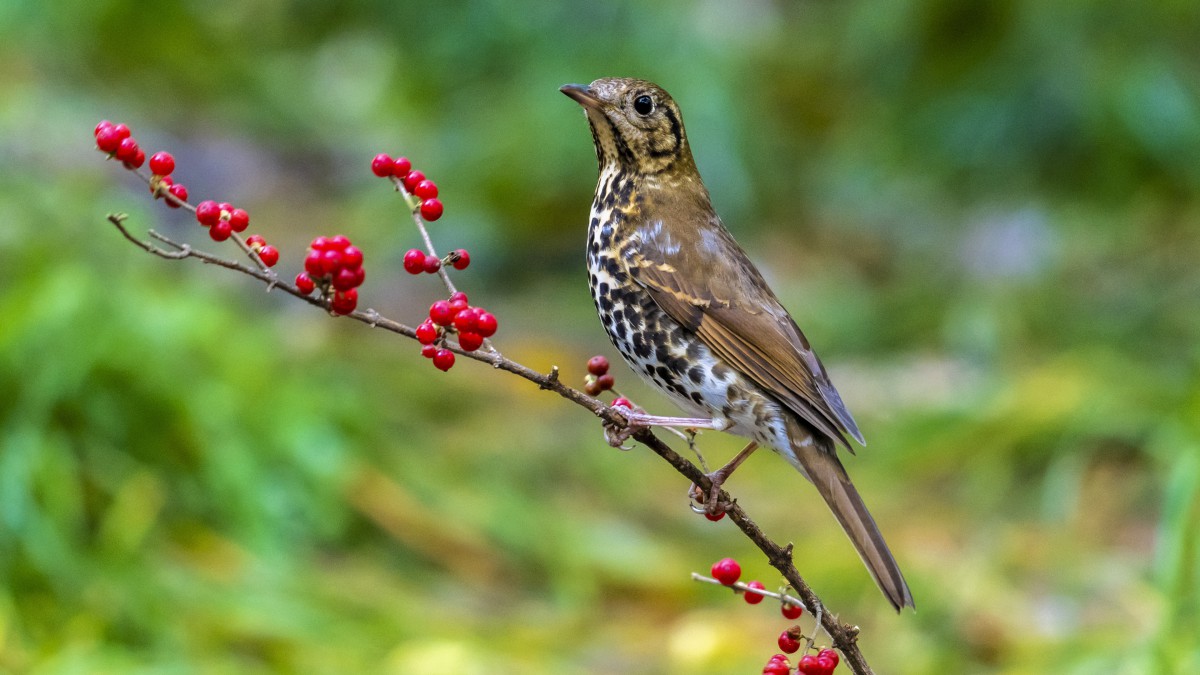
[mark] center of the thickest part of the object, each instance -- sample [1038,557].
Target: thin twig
[746,588]
[414,211]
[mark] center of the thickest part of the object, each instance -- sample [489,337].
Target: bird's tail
[819,462]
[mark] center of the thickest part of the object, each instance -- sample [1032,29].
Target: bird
[690,313]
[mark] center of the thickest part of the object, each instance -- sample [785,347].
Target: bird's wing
[706,282]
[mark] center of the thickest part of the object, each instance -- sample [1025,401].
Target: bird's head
[635,124]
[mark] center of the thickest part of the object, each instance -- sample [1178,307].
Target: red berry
[330,260]
[226,207]
[458,301]
[352,257]
[122,131]
[428,351]
[623,402]
[754,598]
[139,158]
[830,654]
[788,643]
[345,279]
[101,125]
[319,244]
[427,332]
[339,242]
[826,664]
[411,179]
[359,276]
[461,258]
[443,359]
[486,324]
[712,516]
[439,313]
[162,163]
[432,264]
[220,231]
[400,167]
[605,382]
[470,341]
[431,209]
[180,193]
[108,140]
[208,212]
[238,220]
[126,149]
[597,365]
[791,611]
[778,665]
[725,570]
[305,284]
[344,302]
[414,261]
[312,264]
[467,320]
[269,255]
[809,666]
[426,189]
[256,241]
[382,165]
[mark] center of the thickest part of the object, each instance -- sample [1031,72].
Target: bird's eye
[644,105]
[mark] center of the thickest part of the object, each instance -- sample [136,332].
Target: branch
[844,636]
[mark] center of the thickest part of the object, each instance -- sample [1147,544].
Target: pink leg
[641,419]
[636,420]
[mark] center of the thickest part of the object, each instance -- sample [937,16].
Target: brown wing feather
[754,335]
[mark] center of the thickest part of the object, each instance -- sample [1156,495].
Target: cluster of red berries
[161,165]
[118,142]
[598,378]
[266,252]
[727,571]
[472,324]
[415,183]
[221,219]
[417,261]
[823,662]
[334,264]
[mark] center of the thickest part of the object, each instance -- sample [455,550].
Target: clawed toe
[709,502]
[616,436]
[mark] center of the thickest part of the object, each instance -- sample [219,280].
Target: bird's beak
[582,94]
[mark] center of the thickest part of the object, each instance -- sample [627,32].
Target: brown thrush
[691,314]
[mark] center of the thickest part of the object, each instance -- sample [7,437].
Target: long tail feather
[820,464]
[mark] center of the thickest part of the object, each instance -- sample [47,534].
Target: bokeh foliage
[984,214]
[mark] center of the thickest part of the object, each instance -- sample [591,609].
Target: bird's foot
[616,435]
[717,479]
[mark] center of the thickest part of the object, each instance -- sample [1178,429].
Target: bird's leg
[641,419]
[718,477]
[636,419]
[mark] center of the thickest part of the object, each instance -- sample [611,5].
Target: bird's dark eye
[644,105]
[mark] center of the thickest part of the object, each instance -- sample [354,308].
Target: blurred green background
[984,215]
